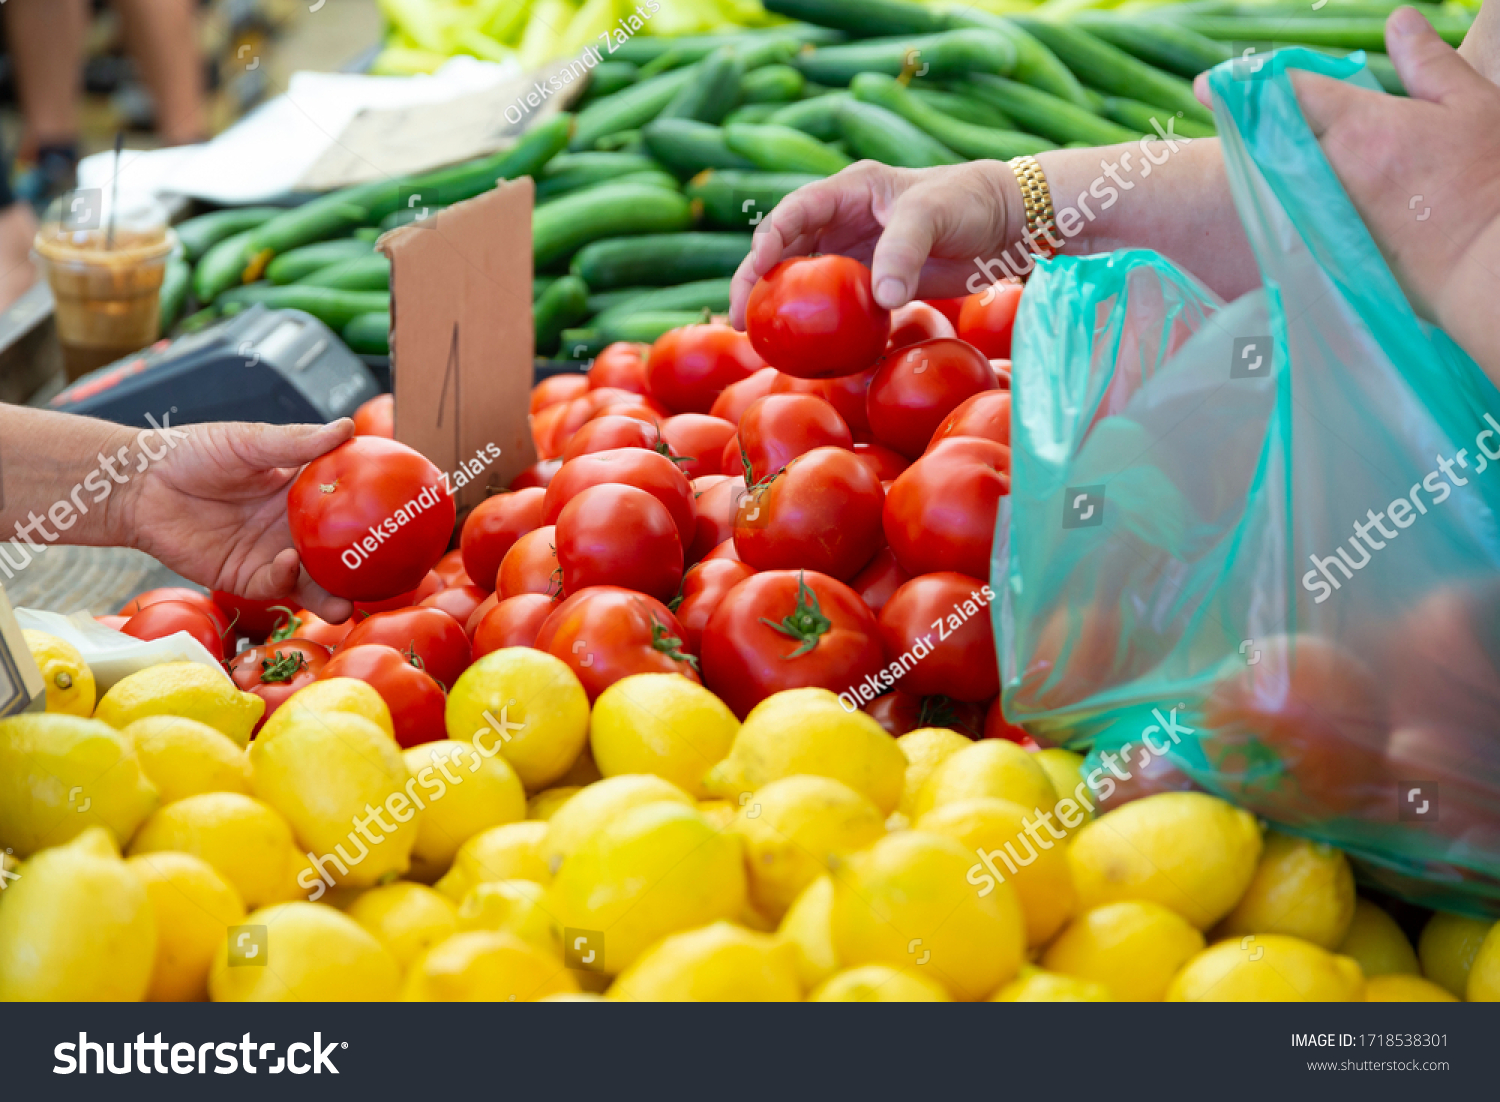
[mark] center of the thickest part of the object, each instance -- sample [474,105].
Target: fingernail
[890,292]
[1407,21]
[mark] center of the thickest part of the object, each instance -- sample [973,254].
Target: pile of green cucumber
[647,196]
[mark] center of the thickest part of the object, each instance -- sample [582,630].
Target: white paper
[112,655]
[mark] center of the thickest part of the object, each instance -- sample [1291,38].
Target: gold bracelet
[1036,196]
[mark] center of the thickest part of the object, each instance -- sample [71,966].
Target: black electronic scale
[275,366]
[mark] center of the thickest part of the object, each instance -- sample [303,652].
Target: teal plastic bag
[1257,542]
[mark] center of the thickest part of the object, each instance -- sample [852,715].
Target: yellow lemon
[655,870]
[183,757]
[76,926]
[1399,987]
[60,775]
[1133,948]
[1300,888]
[992,767]
[465,792]
[816,738]
[1378,943]
[589,809]
[664,724]
[245,840]
[1484,972]
[573,997]
[549,801]
[1447,948]
[1065,770]
[69,681]
[337,694]
[302,952]
[1036,985]
[1185,850]
[925,748]
[793,700]
[341,783]
[1033,861]
[515,906]
[526,703]
[486,966]
[719,812]
[186,689]
[408,919]
[878,983]
[792,828]
[906,902]
[808,927]
[720,962]
[193,906]
[1267,968]
[583,772]
[510,852]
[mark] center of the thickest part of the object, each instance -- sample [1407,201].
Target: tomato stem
[286,630]
[670,645]
[805,622]
[281,667]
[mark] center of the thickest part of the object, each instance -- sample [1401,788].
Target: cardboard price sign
[462,340]
[21,685]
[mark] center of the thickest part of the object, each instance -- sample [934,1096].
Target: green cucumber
[539,285]
[659,259]
[1161,42]
[646,327]
[611,210]
[974,142]
[174,289]
[364,233]
[301,263]
[580,344]
[333,307]
[1036,65]
[1041,113]
[939,56]
[364,273]
[562,305]
[687,147]
[772,84]
[963,108]
[622,141]
[600,301]
[739,200]
[773,148]
[817,117]
[630,109]
[571,171]
[705,294]
[753,112]
[405,216]
[881,135]
[1320,29]
[336,214]
[608,77]
[687,49]
[222,267]
[200,234]
[865,19]
[711,90]
[369,334]
[531,153]
[1145,119]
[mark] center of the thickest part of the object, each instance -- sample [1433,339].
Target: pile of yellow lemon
[651,847]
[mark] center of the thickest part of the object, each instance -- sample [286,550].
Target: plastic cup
[106,286]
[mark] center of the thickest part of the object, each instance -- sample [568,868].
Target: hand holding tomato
[816,317]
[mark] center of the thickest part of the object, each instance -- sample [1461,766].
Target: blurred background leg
[162,36]
[46,38]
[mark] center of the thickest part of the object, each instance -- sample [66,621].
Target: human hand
[918,230]
[213,508]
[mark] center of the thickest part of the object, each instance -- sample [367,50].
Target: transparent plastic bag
[1257,542]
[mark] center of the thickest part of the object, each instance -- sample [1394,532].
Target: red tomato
[779,427]
[613,534]
[366,486]
[950,308]
[816,317]
[201,601]
[886,464]
[432,640]
[546,434]
[845,393]
[458,601]
[530,566]
[736,397]
[823,513]
[732,461]
[986,415]
[621,365]
[725,550]
[997,726]
[987,318]
[645,470]
[915,322]
[451,566]
[552,431]
[112,621]
[275,671]
[916,388]
[479,614]
[255,619]
[699,440]
[163,618]
[879,579]
[377,417]
[431,584]
[688,368]
[788,629]
[612,431]
[900,713]
[1002,372]
[513,622]
[637,411]
[538,474]
[937,627]
[302,624]
[605,633]
[940,514]
[494,525]
[556,390]
[415,699]
[717,506]
[703,587]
